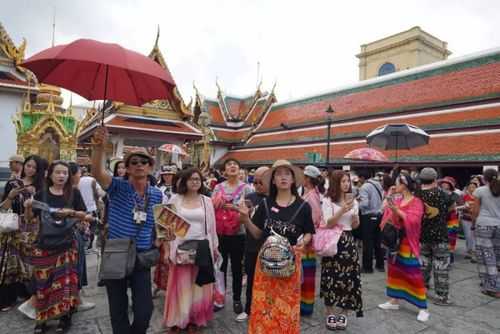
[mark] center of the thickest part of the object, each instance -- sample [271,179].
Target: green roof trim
[437,159]
[485,60]
[467,124]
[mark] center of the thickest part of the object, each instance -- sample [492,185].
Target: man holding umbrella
[130,216]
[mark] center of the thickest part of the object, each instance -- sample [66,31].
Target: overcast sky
[306,46]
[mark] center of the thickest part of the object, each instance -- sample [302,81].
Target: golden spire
[155,53]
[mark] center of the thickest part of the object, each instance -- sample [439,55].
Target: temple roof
[456,99]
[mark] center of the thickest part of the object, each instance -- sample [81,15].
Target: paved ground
[473,312]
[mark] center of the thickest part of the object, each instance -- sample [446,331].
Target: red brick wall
[484,114]
[470,82]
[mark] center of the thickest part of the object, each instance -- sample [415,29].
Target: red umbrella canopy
[100,71]
[366,154]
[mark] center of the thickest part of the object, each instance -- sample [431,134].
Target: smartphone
[248,203]
[349,197]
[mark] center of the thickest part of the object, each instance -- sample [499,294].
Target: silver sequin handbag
[277,258]
[9,221]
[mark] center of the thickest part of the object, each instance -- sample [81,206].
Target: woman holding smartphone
[15,247]
[340,274]
[404,277]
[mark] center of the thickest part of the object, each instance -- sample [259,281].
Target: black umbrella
[397,137]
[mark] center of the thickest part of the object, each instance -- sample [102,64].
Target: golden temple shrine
[46,128]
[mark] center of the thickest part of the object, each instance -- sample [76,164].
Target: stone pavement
[472,312]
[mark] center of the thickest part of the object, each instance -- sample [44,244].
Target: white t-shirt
[196,219]
[329,209]
[85,187]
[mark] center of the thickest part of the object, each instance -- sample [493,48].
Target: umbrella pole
[105,93]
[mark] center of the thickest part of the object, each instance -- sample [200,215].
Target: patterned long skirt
[452,230]
[308,281]
[276,302]
[340,276]
[186,302]
[13,272]
[56,282]
[161,271]
[405,279]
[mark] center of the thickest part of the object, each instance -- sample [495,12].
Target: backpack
[391,237]
[227,220]
[276,256]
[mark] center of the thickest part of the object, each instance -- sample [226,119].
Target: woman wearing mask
[487,229]
[340,274]
[288,215]
[313,193]
[55,271]
[15,247]
[189,293]
[226,197]
[404,277]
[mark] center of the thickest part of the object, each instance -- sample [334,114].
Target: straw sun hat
[297,172]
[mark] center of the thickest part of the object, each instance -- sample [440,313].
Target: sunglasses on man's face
[139,161]
[258,183]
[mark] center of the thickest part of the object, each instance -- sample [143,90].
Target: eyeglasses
[258,183]
[194,179]
[139,161]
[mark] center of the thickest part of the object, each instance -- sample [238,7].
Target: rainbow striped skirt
[404,277]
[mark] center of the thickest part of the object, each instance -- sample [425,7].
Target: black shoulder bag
[119,255]
[54,234]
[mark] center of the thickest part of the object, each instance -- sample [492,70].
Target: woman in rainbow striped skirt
[404,277]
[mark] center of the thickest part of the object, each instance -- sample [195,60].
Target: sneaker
[27,309]
[389,306]
[331,322]
[380,269]
[423,316]
[341,322]
[85,306]
[443,301]
[242,317]
[237,307]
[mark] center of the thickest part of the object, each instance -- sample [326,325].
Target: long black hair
[115,168]
[273,190]
[39,177]
[491,176]
[68,186]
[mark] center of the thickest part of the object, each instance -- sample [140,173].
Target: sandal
[491,293]
[331,322]
[40,328]
[341,322]
[63,325]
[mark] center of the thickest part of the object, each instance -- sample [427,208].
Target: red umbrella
[173,149]
[100,71]
[366,154]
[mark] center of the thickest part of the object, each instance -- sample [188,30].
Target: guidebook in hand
[169,224]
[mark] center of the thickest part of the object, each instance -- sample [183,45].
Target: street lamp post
[329,112]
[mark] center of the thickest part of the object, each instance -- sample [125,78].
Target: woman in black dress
[55,271]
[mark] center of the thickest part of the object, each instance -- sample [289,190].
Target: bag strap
[297,212]
[377,189]
[205,213]
[266,208]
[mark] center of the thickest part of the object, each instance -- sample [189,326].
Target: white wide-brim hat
[298,174]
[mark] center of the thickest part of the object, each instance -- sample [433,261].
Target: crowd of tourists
[272,226]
